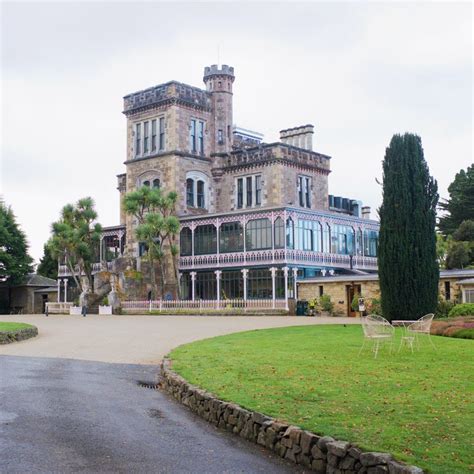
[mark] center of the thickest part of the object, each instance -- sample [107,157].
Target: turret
[219,83]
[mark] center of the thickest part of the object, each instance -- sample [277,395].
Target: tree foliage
[48,265]
[157,228]
[459,207]
[407,256]
[75,238]
[15,263]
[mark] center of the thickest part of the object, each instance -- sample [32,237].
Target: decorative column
[218,231]
[193,285]
[218,285]
[178,290]
[101,248]
[59,290]
[120,237]
[245,273]
[273,271]
[295,276]
[65,290]
[285,274]
[192,242]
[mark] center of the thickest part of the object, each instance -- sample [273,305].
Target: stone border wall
[7,337]
[321,454]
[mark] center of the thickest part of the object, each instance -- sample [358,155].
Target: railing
[96,268]
[204,305]
[58,308]
[283,256]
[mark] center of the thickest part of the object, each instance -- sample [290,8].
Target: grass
[419,407]
[10,327]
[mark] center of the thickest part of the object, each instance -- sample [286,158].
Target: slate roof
[33,279]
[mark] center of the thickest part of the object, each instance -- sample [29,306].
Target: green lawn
[419,407]
[8,327]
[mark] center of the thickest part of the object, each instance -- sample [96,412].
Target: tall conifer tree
[407,262]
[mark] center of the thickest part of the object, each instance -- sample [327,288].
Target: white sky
[359,71]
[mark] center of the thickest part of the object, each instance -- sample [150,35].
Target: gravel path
[135,339]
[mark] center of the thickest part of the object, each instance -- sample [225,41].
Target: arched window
[279,234]
[190,192]
[150,179]
[146,183]
[156,183]
[200,194]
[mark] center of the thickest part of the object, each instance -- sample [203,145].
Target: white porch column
[295,276]
[192,242]
[273,271]
[101,248]
[65,290]
[245,273]
[193,285]
[218,232]
[59,290]
[218,285]
[285,274]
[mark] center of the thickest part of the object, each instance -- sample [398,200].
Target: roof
[33,279]
[469,274]
[49,289]
[467,281]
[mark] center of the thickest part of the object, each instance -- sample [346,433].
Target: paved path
[62,416]
[135,339]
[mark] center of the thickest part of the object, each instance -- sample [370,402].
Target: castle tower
[219,83]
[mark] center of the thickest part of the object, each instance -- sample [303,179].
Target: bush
[105,301]
[464,334]
[443,308]
[374,306]
[465,309]
[326,304]
[438,327]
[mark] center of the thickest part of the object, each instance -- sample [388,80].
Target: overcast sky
[359,72]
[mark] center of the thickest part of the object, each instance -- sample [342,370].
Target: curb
[8,337]
[322,454]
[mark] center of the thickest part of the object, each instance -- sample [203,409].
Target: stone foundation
[321,454]
[15,336]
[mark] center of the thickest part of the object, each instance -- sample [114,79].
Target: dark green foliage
[464,334]
[15,263]
[407,260]
[48,265]
[460,205]
[444,307]
[464,309]
[458,255]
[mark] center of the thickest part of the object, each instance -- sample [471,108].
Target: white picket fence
[203,305]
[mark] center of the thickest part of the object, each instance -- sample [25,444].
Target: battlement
[163,93]
[214,70]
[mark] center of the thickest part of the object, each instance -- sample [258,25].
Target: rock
[395,467]
[373,459]
[322,442]
[304,460]
[377,470]
[270,437]
[317,453]
[348,463]
[307,441]
[280,449]
[261,438]
[319,466]
[354,452]
[259,418]
[332,460]
[277,426]
[338,448]
[293,433]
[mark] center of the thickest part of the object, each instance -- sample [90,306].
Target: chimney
[301,137]
[366,212]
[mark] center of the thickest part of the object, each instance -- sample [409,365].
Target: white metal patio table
[406,339]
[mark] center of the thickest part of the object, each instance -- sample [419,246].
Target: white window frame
[244,178]
[304,185]
[198,176]
[150,152]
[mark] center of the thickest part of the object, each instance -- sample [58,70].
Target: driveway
[135,339]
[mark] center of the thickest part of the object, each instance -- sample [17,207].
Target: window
[162,133]
[232,285]
[185,242]
[249,191]
[190,192]
[205,240]
[447,290]
[290,233]
[304,191]
[146,183]
[231,237]
[220,137]
[258,234]
[156,183]
[153,135]
[138,139]
[321,290]
[206,286]
[200,194]
[192,137]
[279,238]
[258,190]
[201,138]
[240,193]
[146,131]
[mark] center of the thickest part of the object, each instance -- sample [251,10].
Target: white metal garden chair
[378,330]
[422,326]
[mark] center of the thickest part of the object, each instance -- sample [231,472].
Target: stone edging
[6,337]
[321,454]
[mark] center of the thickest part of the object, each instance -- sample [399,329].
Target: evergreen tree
[48,265]
[15,263]
[460,205]
[407,260]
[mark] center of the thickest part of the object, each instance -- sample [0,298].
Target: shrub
[105,301]
[443,308]
[464,334]
[374,306]
[438,327]
[452,330]
[465,309]
[355,302]
[326,304]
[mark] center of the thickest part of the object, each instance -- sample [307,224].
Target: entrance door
[351,291]
[45,300]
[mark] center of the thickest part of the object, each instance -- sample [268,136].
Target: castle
[254,216]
